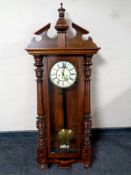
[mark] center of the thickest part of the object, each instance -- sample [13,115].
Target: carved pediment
[62,40]
[45,41]
[78,42]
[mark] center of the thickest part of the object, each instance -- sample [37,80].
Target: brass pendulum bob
[65,136]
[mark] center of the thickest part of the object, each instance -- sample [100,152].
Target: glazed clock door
[65,89]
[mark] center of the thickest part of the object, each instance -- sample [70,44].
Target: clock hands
[64,77]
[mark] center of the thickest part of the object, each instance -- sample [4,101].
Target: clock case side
[62,45]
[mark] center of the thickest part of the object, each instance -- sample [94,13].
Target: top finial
[61,24]
[61,10]
[61,4]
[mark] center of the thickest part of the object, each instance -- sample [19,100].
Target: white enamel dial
[63,74]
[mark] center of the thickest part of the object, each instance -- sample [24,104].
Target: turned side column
[41,119]
[86,147]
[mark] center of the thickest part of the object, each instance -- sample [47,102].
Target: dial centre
[63,74]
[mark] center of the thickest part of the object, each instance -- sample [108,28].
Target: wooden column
[86,147]
[41,119]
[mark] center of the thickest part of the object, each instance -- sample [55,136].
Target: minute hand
[65,78]
[62,73]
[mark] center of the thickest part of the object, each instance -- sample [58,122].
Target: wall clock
[63,71]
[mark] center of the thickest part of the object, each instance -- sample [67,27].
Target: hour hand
[63,75]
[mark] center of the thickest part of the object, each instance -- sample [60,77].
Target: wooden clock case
[79,52]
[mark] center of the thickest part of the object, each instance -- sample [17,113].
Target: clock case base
[63,163]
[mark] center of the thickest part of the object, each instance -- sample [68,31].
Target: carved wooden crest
[62,40]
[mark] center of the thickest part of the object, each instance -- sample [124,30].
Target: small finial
[61,10]
[61,4]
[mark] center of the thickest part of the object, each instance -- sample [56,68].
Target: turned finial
[61,11]
[61,4]
[61,24]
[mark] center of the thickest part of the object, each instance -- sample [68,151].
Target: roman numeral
[58,82]
[64,64]
[67,81]
[71,69]
[58,65]
[54,78]
[53,74]
[72,73]
[71,78]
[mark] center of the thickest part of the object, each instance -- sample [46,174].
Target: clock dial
[63,74]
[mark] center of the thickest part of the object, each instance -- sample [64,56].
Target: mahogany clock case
[64,118]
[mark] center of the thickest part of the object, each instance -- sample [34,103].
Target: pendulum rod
[64,108]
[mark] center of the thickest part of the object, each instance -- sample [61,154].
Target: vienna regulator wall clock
[63,71]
